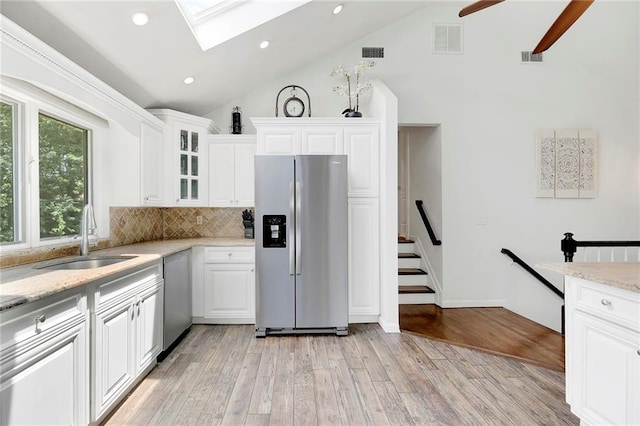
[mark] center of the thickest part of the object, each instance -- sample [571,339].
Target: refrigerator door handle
[298,228]
[291,237]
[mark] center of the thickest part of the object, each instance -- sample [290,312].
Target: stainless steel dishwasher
[177,299]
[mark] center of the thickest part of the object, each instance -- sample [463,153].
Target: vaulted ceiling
[149,63]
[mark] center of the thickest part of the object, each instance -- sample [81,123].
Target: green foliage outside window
[63,171]
[7,224]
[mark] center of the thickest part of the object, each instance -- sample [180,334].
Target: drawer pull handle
[638,352]
[39,320]
[230,254]
[606,302]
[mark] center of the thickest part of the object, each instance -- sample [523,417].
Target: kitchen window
[62,175]
[10,230]
[45,167]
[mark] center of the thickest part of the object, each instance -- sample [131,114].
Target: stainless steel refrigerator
[301,244]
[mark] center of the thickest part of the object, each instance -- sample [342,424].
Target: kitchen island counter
[622,275]
[28,283]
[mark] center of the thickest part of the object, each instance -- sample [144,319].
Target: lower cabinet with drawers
[602,353]
[44,361]
[126,320]
[224,285]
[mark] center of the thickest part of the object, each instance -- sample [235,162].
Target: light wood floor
[224,375]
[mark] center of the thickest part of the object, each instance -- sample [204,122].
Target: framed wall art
[566,163]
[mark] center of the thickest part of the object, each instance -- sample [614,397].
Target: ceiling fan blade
[569,15]
[479,5]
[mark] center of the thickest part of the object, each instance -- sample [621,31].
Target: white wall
[489,106]
[425,183]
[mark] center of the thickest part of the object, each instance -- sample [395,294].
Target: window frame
[32,101]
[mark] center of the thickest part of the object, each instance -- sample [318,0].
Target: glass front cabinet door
[189,143]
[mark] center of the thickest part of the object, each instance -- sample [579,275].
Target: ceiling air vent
[373,52]
[528,56]
[447,38]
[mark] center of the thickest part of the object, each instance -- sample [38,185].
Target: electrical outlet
[198,220]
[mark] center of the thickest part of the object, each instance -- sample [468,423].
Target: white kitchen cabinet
[321,140]
[44,362]
[127,334]
[151,165]
[278,140]
[231,170]
[361,148]
[364,253]
[226,289]
[603,353]
[185,146]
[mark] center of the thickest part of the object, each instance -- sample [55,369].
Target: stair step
[405,289]
[411,271]
[405,241]
[408,256]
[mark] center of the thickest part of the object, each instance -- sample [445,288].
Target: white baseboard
[474,303]
[389,327]
[361,318]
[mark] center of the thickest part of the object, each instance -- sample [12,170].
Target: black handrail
[569,246]
[423,215]
[530,270]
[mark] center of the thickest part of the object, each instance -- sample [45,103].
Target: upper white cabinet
[185,156]
[151,165]
[357,138]
[603,353]
[361,147]
[231,173]
[321,140]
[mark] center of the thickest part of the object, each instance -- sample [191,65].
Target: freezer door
[321,240]
[275,245]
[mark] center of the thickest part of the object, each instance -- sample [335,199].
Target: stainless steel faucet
[88,226]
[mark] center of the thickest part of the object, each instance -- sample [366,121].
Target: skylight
[213,22]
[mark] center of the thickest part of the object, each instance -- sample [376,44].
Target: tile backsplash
[129,225]
[136,224]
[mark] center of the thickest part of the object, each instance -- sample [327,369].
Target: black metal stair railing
[533,272]
[569,246]
[425,220]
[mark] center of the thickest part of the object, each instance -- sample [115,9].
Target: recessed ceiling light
[189,80]
[338,9]
[264,44]
[140,18]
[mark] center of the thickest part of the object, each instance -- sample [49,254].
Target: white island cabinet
[602,357]
[127,326]
[44,361]
[603,353]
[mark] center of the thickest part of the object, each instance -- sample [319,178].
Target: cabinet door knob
[638,352]
[41,318]
[606,302]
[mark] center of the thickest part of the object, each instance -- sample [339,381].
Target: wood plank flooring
[224,375]
[494,330]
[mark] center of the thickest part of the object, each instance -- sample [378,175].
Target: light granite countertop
[623,275]
[27,283]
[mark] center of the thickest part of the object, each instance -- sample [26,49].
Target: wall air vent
[447,38]
[528,56]
[373,52]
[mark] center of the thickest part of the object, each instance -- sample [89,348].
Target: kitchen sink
[86,262]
